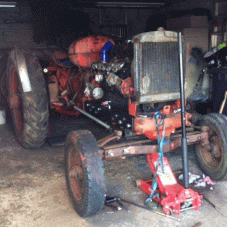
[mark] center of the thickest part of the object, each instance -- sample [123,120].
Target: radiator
[156,66]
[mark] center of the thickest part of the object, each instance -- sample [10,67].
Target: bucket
[2,117]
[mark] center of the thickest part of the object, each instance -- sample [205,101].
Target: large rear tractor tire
[85,177]
[213,161]
[28,107]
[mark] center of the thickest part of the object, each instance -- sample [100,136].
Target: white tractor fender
[21,66]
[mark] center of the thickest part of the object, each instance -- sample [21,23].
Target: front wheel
[213,161]
[85,177]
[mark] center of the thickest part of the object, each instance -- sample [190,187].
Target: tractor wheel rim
[15,96]
[75,173]
[213,156]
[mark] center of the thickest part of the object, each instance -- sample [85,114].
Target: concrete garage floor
[33,190]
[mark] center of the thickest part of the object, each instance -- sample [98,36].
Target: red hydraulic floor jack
[172,196]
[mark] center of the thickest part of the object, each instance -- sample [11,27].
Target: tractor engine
[108,91]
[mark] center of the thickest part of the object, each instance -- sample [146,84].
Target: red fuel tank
[85,51]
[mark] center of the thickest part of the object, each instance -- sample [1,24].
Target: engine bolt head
[45,70]
[110,153]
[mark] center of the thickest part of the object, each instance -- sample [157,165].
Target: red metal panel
[147,125]
[85,51]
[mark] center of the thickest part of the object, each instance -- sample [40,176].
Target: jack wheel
[213,161]
[84,173]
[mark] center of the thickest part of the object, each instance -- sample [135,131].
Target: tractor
[135,91]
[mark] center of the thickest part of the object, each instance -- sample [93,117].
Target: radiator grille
[156,71]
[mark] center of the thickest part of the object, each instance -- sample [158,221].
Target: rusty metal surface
[115,137]
[119,150]
[156,36]
[159,97]
[148,127]
[156,67]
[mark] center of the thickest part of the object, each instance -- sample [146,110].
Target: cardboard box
[187,21]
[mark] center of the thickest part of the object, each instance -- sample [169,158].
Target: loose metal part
[110,200]
[115,135]
[216,208]
[197,224]
[153,211]
[92,117]
[186,209]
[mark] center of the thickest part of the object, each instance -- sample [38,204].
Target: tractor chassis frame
[148,146]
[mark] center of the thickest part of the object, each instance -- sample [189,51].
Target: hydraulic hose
[104,51]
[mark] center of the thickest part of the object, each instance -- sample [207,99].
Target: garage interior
[33,189]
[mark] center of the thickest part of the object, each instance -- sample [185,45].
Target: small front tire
[85,177]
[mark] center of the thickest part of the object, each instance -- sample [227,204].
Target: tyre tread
[219,123]
[94,196]
[35,103]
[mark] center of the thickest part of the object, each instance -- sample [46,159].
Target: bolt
[110,153]
[45,70]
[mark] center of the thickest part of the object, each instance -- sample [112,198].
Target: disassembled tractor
[137,94]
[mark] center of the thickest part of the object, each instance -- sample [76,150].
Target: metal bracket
[22,70]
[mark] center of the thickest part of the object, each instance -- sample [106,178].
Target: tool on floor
[109,201]
[164,187]
[153,211]
[223,103]
[197,224]
[216,208]
[196,180]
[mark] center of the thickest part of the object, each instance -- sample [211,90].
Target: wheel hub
[75,172]
[76,175]
[215,149]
